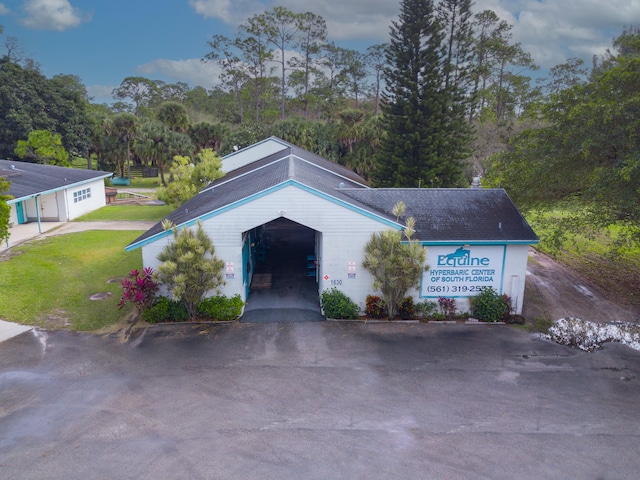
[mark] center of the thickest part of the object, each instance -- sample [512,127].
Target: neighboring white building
[47,193]
[474,237]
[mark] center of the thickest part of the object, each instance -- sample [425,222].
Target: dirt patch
[554,291]
[56,320]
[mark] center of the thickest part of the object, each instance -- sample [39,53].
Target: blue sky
[104,41]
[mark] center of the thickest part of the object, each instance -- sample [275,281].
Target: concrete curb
[9,330]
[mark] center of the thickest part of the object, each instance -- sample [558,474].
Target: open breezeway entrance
[282,268]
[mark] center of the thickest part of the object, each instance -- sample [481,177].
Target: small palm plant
[396,265]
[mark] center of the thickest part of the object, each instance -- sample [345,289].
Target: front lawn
[49,283]
[153,213]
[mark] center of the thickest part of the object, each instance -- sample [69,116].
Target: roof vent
[341,185]
[13,167]
[476,183]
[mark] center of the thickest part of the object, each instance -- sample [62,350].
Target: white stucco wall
[251,154]
[97,199]
[59,206]
[460,270]
[343,234]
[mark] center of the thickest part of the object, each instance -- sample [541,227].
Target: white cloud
[232,12]
[192,71]
[4,10]
[551,30]
[554,31]
[101,93]
[52,15]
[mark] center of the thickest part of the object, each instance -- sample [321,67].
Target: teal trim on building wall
[265,193]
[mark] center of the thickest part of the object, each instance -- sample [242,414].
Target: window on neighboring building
[81,195]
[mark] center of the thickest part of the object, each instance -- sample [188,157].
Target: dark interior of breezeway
[286,252]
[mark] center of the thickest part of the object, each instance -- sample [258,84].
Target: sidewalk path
[75,227]
[10,329]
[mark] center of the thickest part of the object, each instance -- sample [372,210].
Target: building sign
[230,273]
[462,271]
[352,270]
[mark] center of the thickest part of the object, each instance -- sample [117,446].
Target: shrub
[447,306]
[139,289]
[189,267]
[407,309]
[427,308]
[221,308]
[375,307]
[337,305]
[489,305]
[508,306]
[165,310]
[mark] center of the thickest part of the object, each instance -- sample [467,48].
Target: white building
[48,193]
[474,237]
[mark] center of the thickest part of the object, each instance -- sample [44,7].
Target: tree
[190,178]
[330,81]
[586,153]
[235,71]
[498,67]
[355,72]
[253,45]
[421,118]
[174,116]
[376,59]
[313,34]
[124,127]
[42,146]
[189,266]
[29,101]
[396,266]
[279,27]
[5,209]
[158,145]
[139,89]
[208,135]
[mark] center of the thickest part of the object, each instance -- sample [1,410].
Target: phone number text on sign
[463,270]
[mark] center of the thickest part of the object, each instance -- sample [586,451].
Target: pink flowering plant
[139,288]
[447,306]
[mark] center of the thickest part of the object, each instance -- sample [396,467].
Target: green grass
[49,283]
[140,182]
[153,213]
[596,255]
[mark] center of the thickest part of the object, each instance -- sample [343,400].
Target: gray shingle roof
[317,173]
[451,214]
[473,215]
[29,179]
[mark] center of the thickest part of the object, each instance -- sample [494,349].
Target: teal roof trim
[59,189]
[262,194]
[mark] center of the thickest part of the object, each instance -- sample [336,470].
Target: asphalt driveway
[318,400]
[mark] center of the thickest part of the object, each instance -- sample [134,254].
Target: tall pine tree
[424,141]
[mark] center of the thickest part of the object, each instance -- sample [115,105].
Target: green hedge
[218,308]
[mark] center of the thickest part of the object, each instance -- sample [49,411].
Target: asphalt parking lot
[318,400]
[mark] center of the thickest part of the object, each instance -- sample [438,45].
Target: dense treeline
[325,98]
[449,97]
[585,154]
